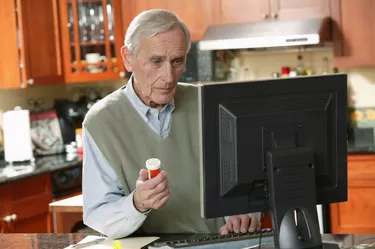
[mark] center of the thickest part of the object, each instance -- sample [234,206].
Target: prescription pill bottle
[153,167]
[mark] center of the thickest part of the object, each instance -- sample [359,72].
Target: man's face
[158,66]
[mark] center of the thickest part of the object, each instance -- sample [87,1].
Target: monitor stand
[292,199]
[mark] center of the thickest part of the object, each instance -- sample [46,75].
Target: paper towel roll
[17,139]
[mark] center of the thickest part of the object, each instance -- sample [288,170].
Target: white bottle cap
[153,164]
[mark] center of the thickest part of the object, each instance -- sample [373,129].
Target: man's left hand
[240,223]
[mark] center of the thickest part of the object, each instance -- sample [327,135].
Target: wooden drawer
[357,214]
[27,201]
[30,187]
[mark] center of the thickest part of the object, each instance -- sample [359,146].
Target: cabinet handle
[30,82]
[274,15]
[122,74]
[7,219]
[264,15]
[10,218]
[13,217]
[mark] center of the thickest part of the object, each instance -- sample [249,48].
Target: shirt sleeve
[106,209]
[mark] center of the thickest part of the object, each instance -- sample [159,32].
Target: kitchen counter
[41,165]
[40,241]
[60,241]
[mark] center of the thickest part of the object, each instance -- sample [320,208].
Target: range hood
[275,33]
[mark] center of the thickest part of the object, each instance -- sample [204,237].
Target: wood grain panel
[357,214]
[9,62]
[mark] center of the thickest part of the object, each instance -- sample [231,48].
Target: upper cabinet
[196,14]
[354,33]
[299,9]
[239,11]
[92,37]
[30,43]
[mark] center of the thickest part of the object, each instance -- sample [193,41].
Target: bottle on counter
[325,66]
[300,69]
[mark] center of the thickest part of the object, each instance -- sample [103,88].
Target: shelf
[85,1]
[88,44]
[83,63]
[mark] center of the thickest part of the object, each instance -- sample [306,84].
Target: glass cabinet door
[93,40]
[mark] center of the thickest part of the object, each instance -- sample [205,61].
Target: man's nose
[168,73]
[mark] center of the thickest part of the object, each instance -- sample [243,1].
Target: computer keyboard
[230,241]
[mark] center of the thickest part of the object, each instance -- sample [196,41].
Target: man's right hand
[151,193]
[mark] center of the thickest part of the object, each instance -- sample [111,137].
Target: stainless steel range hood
[273,33]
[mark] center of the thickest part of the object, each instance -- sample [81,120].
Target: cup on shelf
[94,58]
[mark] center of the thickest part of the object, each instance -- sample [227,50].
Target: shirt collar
[133,97]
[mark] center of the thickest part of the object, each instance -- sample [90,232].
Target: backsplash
[20,97]
[256,65]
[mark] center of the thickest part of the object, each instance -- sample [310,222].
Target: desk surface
[59,241]
[69,205]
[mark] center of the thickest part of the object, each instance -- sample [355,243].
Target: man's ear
[126,57]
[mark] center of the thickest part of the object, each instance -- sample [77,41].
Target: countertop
[39,241]
[60,241]
[41,165]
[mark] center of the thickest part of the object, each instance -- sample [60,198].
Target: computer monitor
[277,144]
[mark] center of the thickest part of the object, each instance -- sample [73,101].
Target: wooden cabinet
[241,11]
[196,14]
[199,14]
[30,43]
[354,33]
[357,214]
[25,205]
[4,206]
[92,37]
[299,9]
[238,11]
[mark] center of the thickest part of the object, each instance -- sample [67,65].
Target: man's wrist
[141,210]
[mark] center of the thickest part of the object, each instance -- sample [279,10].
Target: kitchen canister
[17,138]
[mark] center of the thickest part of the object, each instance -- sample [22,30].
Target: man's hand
[240,223]
[153,193]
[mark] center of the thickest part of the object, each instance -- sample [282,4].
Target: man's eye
[156,61]
[178,61]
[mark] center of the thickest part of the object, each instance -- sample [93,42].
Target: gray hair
[151,22]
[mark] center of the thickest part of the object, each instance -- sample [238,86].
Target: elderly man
[153,116]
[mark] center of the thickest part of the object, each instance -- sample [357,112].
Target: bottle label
[153,173]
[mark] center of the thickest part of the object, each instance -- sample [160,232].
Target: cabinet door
[240,11]
[9,62]
[30,200]
[91,40]
[141,5]
[196,14]
[355,33]
[5,208]
[357,214]
[299,9]
[39,42]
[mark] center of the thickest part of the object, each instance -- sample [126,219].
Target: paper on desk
[127,243]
